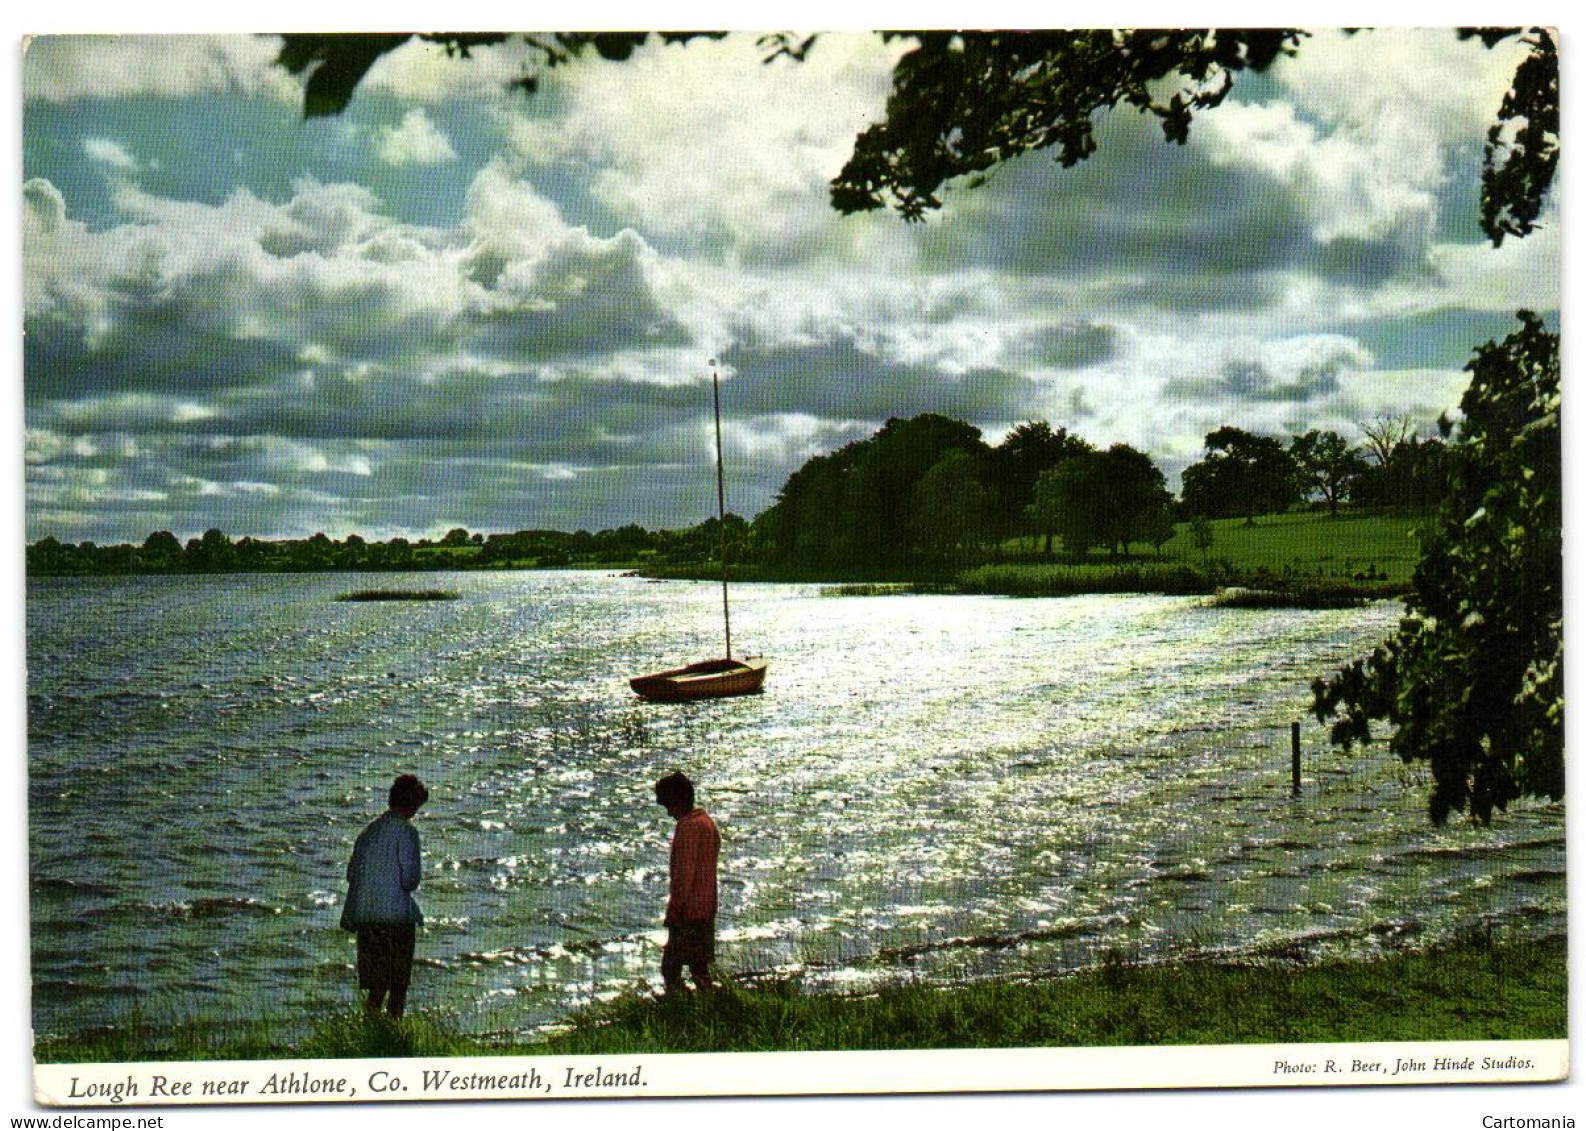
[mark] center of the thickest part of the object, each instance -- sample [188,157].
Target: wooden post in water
[1294,756]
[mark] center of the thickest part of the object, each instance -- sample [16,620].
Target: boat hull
[708,679]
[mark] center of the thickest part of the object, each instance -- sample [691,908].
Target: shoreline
[1226,586]
[1293,559]
[1473,988]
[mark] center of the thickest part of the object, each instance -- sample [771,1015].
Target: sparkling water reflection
[932,788]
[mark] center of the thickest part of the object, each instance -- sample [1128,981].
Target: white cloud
[784,439]
[67,68]
[417,141]
[1521,272]
[1448,88]
[53,249]
[707,141]
[40,445]
[111,153]
[184,484]
[1369,129]
[419,71]
[131,410]
[297,457]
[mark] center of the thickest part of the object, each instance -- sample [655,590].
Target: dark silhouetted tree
[212,552]
[1109,498]
[1328,466]
[949,508]
[1411,475]
[1015,465]
[852,508]
[1202,534]
[1065,507]
[1157,526]
[1242,474]
[161,552]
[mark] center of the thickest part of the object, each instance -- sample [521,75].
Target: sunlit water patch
[931,789]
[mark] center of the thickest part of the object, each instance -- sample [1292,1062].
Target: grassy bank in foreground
[1475,990]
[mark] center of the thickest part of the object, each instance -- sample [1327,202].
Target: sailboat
[724,676]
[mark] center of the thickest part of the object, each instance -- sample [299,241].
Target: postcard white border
[806,1073]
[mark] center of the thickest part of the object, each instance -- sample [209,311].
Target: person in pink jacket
[691,901]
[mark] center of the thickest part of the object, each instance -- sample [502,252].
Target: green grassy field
[1309,558]
[1333,546]
[1476,989]
[1303,558]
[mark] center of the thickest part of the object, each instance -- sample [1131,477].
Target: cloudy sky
[458,305]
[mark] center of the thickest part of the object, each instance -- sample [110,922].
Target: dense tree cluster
[930,491]
[1243,474]
[856,507]
[1107,499]
[1017,464]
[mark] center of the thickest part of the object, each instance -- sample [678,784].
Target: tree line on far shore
[217,552]
[922,493]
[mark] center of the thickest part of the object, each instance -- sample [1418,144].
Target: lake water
[931,788]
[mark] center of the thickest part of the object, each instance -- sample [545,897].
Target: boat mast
[721,508]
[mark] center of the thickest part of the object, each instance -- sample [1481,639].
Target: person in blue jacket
[381,878]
